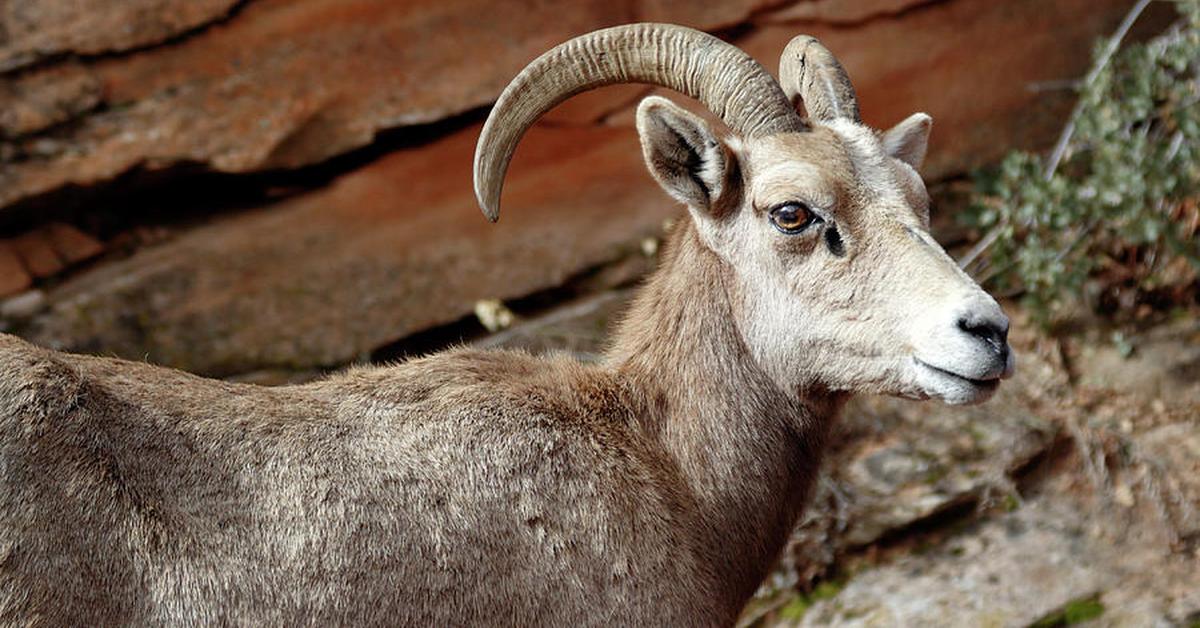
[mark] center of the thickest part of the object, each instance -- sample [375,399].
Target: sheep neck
[748,450]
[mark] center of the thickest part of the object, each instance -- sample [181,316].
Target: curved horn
[726,80]
[808,71]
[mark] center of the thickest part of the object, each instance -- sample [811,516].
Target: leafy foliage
[1075,612]
[1120,208]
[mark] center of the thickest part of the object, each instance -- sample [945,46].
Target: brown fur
[466,487]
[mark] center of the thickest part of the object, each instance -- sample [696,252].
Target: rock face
[282,84]
[41,253]
[1047,556]
[391,249]
[974,65]
[37,30]
[272,85]
[285,83]
[845,12]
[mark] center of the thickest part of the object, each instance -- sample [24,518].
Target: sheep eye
[791,217]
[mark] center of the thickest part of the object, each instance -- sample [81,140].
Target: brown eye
[791,217]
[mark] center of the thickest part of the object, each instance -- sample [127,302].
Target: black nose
[994,333]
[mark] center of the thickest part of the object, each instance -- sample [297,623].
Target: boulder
[1062,558]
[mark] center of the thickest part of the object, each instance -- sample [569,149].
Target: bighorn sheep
[471,486]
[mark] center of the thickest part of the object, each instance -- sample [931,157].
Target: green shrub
[1120,206]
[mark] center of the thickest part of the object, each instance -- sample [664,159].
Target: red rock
[41,253]
[840,12]
[40,100]
[38,254]
[396,247]
[13,276]
[286,83]
[71,244]
[594,106]
[968,63]
[37,29]
[706,14]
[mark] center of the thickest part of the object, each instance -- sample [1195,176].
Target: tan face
[839,285]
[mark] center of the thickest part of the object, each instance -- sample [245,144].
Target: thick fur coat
[463,488]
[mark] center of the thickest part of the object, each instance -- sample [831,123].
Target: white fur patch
[872,165]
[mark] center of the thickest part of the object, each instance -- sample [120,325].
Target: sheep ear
[684,155]
[908,140]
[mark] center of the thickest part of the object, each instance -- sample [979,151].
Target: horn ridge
[808,72]
[722,77]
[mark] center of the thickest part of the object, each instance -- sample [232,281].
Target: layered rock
[284,83]
[979,68]
[391,249]
[42,253]
[40,30]
[272,85]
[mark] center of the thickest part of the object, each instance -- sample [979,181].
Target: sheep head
[821,222]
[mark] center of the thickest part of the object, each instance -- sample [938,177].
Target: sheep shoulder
[381,487]
[35,385]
